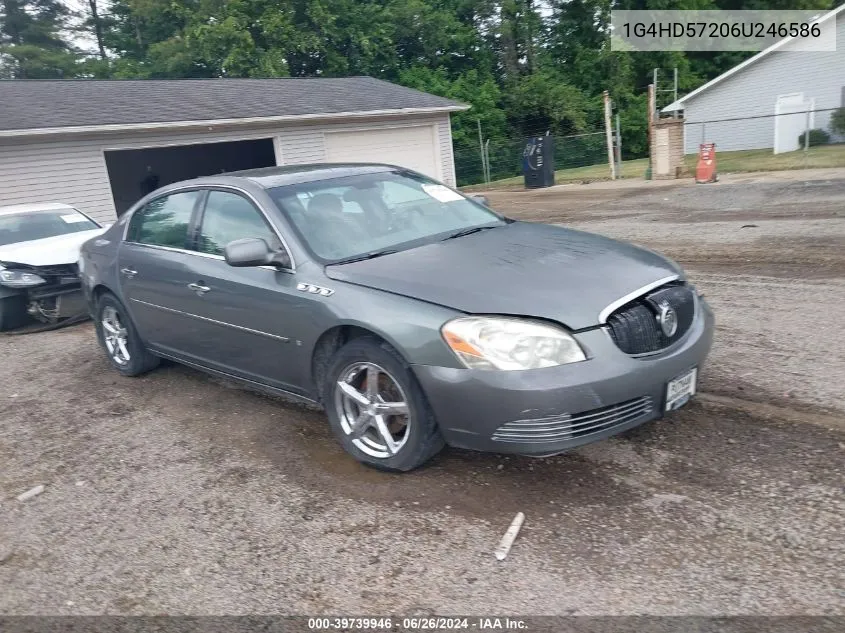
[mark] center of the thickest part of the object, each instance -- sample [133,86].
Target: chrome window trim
[185,251]
[633,295]
[213,187]
[284,339]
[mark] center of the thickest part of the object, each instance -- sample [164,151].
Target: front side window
[229,217]
[164,221]
[343,218]
[38,225]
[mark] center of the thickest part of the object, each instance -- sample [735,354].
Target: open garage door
[411,147]
[133,173]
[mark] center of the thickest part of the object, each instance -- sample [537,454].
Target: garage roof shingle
[49,104]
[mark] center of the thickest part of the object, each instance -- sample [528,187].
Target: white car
[39,250]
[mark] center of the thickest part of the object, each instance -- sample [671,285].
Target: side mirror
[253,251]
[482,199]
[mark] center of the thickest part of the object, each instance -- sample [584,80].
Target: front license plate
[681,389]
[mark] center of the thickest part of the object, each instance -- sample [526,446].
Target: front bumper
[583,402]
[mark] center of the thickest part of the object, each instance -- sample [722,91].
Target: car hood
[50,251]
[527,269]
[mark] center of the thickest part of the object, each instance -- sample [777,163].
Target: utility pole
[608,129]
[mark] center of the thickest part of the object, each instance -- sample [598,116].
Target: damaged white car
[39,250]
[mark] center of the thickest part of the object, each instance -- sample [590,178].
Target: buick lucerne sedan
[416,316]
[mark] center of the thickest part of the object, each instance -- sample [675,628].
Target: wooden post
[608,129]
[618,147]
[651,108]
[481,149]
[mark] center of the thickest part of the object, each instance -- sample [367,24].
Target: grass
[765,160]
[727,162]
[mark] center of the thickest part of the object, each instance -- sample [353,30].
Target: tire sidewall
[137,351]
[13,312]
[424,440]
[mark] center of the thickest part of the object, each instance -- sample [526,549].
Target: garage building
[102,145]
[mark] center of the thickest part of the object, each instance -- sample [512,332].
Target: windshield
[36,225]
[365,214]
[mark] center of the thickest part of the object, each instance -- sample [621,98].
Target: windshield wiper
[360,258]
[463,232]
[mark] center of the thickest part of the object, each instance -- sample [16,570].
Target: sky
[83,40]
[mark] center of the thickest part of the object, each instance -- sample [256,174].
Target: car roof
[269,177]
[35,207]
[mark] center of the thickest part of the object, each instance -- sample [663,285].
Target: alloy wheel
[115,336]
[373,409]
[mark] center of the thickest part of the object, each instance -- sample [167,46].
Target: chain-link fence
[794,138]
[496,159]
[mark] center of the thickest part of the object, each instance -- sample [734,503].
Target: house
[102,145]
[768,100]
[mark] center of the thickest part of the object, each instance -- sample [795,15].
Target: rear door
[155,269]
[248,319]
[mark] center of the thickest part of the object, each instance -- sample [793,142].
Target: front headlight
[509,343]
[19,278]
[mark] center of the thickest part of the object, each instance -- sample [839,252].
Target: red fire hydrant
[705,171]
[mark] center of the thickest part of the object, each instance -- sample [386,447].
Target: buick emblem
[668,319]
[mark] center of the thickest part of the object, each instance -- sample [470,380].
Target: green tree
[31,44]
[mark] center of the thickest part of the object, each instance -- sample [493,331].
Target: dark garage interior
[133,173]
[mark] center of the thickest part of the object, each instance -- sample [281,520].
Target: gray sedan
[416,316]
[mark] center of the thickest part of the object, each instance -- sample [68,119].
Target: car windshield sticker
[74,218]
[442,193]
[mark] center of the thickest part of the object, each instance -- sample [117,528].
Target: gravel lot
[178,493]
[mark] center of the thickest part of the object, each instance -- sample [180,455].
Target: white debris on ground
[31,493]
[509,537]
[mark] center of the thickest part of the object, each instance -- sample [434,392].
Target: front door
[155,270]
[249,321]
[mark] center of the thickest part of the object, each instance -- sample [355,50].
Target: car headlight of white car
[509,343]
[19,278]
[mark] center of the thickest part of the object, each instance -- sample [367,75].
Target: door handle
[199,288]
[128,272]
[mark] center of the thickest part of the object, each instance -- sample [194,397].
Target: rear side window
[164,221]
[229,217]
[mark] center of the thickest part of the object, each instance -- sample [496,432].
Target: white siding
[447,158]
[72,168]
[412,147]
[754,90]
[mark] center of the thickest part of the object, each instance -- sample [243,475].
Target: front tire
[119,338]
[13,312]
[376,408]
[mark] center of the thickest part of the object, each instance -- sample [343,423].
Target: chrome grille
[568,426]
[634,327]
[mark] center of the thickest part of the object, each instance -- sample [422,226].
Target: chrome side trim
[633,295]
[212,187]
[284,339]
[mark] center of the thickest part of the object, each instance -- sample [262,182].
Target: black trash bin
[538,162]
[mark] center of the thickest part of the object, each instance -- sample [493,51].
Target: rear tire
[13,312]
[119,338]
[406,436]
